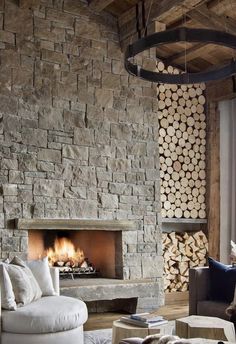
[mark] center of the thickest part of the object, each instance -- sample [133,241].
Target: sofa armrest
[199,286]
[55,279]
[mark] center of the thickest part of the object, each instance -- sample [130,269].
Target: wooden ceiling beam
[128,21]
[184,53]
[210,19]
[99,5]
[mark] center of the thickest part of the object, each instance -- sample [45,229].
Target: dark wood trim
[213,179]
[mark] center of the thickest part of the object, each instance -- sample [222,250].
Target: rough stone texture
[78,134]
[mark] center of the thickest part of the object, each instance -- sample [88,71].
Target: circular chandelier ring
[181,34]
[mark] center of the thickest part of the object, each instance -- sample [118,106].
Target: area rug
[98,336]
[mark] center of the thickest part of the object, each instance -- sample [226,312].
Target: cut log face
[182,148]
[181,251]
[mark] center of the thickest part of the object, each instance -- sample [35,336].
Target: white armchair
[50,320]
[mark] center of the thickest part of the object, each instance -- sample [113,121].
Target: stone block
[66,20]
[50,188]
[137,148]
[9,164]
[54,57]
[147,248]
[150,219]
[9,190]
[87,29]
[130,237]
[10,244]
[143,190]
[152,266]
[27,162]
[76,192]
[84,136]
[24,244]
[51,118]
[129,199]
[135,272]
[132,259]
[118,188]
[9,106]
[108,201]
[75,152]
[110,81]
[104,97]
[84,175]
[7,37]
[134,114]
[122,165]
[23,26]
[2,218]
[114,51]
[78,208]
[73,119]
[50,155]
[152,174]
[34,137]
[25,196]
[12,210]
[121,131]
[45,166]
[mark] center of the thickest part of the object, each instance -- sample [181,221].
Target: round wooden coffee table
[121,330]
[196,326]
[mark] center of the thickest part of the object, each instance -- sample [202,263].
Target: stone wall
[79,136]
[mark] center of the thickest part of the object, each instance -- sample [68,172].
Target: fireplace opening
[79,253]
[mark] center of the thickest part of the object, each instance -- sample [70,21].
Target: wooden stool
[121,330]
[196,326]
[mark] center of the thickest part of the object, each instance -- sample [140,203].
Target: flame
[64,252]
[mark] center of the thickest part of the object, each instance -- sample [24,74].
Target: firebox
[79,253]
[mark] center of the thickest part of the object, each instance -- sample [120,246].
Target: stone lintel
[75,224]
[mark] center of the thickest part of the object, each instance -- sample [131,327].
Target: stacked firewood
[181,251]
[182,149]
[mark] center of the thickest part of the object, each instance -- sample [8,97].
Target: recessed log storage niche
[182,151]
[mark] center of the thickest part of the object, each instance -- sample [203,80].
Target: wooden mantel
[75,224]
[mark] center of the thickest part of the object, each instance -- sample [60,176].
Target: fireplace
[99,249]
[128,279]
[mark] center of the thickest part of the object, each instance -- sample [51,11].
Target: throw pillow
[222,281]
[23,287]
[7,295]
[41,272]
[34,284]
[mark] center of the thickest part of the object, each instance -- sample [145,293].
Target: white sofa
[50,320]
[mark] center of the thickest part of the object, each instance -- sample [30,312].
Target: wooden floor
[175,308]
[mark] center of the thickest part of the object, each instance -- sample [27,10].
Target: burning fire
[65,254]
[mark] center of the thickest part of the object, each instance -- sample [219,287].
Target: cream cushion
[46,315]
[7,295]
[25,287]
[41,272]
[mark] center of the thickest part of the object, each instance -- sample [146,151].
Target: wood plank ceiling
[215,14]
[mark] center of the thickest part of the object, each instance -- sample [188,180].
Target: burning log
[65,254]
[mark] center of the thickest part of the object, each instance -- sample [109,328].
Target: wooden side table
[196,326]
[121,330]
